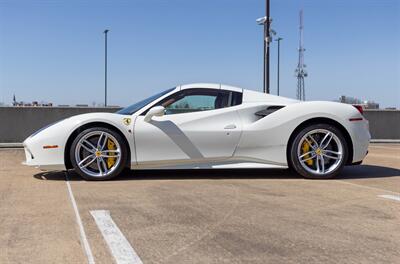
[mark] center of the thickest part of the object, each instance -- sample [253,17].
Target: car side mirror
[155,111]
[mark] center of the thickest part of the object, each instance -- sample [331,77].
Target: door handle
[231,126]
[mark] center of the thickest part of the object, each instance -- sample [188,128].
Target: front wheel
[98,154]
[318,152]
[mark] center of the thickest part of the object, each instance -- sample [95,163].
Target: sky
[53,51]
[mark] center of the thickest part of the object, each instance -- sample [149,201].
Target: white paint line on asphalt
[120,247]
[367,187]
[387,156]
[387,147]
[392,197]
[83,237]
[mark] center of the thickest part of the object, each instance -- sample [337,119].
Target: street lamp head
[261,20]
[106,31]
[278,39]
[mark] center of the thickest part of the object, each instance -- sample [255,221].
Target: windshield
[139,105]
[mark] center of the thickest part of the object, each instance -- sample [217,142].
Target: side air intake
[269,110]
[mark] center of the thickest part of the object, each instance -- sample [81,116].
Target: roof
[248,95]
[211,86]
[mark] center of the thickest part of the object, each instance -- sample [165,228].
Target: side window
[236,98]
[191,103]
[195,100]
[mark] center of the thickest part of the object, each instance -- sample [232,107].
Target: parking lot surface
[203,216]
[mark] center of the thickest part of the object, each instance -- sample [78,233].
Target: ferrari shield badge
[127,121]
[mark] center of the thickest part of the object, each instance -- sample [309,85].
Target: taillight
[359,108]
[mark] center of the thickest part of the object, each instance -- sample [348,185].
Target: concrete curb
[11,145]
[385,141]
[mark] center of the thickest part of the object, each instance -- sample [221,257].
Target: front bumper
[43,159]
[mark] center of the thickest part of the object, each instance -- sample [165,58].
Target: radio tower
[300,70]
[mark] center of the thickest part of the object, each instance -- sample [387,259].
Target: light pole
[105,67]
[279,55]
[266,22]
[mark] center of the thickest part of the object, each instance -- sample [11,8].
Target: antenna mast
[300,70]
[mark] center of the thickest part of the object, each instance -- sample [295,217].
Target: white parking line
[365,186]
[83,237]
[386,147]
[121,250]
[392,197]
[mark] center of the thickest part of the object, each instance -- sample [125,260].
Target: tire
[318,151]
[98,153]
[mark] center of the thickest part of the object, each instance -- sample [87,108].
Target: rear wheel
[318,152]
[98,154]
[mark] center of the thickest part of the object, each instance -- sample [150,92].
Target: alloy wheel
[97,154]
[320,151]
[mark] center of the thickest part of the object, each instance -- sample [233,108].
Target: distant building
[370,105]
[47,104]
[34,104]
[355,101]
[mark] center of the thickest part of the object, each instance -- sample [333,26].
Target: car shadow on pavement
[368,171]
[58,176]
[209,174]
[350,172]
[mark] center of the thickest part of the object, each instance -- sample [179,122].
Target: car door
[199,125]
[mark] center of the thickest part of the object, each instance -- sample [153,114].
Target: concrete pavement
[220,216]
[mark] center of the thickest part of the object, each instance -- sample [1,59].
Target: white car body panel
[268,137]
[231,137]
[58,134]
[187,137]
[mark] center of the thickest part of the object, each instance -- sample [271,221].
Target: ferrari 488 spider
[205,126]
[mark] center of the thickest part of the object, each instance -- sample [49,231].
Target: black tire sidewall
[295,163]
[121,165]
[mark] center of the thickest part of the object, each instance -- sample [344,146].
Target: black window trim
[231,93]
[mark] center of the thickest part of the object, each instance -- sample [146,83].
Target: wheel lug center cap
[98,153]
[318,151]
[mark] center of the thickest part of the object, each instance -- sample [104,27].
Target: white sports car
[205,126]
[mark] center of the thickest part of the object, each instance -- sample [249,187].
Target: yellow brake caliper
[110,146]
[306,148]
